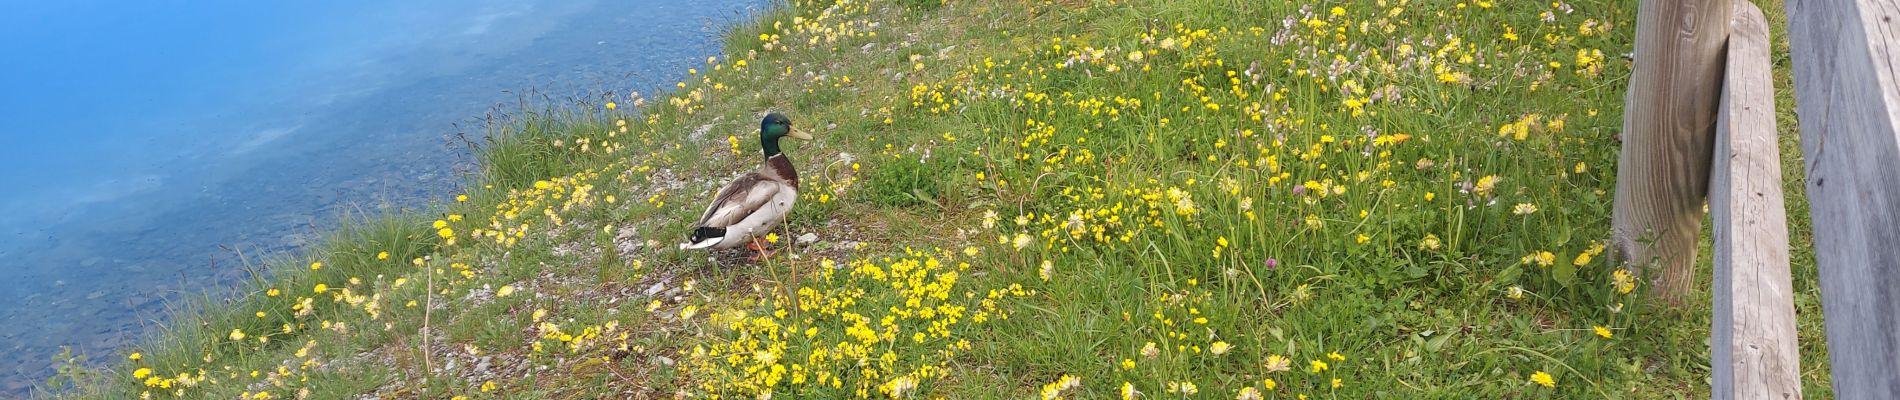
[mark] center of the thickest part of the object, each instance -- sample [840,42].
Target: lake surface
[141,142]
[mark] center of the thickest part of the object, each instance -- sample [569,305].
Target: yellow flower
[135,357]
[446,233]
[771,237]
[610,106]
[1486,184]
[1336,356]
[237,334]
[489,386]
[316,266]
[1219,348]
[1524,209]
[1430,242]
[320,288]
[505,290]
[461,198]
[141,373]
[1270,384]
[1319,366]
[382,256]
[1248,393]
[272,292]
[1129,392]
[1277,363]
[1339,11]
[1603,331]
[1541,258]
[1543,378]
[1514,292]
[1623,281]
[1337,384]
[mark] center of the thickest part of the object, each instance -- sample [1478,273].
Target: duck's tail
[704,237]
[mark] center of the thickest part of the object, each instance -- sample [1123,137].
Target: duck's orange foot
[759,252]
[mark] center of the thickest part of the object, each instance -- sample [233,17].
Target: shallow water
[141,143]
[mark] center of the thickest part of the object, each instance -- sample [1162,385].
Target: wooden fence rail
[1753,341]
[1848,99]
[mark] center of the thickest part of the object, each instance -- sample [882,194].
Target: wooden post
[1848,98]
[1662,174]
[1753,345]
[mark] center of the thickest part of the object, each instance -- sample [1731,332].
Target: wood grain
[1847,97]
[1662,172]
[1753,344]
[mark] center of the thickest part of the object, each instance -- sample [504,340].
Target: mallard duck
[753,204]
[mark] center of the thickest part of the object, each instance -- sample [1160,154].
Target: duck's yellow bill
[797,134]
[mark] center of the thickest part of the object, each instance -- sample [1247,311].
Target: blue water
[142,141]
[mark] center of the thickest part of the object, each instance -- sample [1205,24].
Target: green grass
[1004,196]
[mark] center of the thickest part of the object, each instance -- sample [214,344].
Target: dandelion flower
[1524,209]
[237,334]
[1219,348]
[1603,331]
[505,290]
[1623,280]
[382,256]
[316,266]
[135,357]
[1543,379]
[141,373]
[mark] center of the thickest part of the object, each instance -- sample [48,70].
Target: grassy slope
[1004,195]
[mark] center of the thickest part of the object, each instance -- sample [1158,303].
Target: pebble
[808,238]
[655,289]
[664,360]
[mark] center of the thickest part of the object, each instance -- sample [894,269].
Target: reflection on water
[142,143]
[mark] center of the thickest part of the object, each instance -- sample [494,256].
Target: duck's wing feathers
[741,198]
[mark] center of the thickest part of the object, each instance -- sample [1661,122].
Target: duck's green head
[774,127]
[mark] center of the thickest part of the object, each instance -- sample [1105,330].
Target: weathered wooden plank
[1849,101]
[1662,173]
[1753,345]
